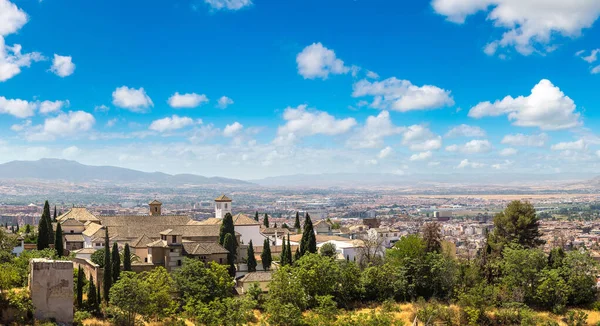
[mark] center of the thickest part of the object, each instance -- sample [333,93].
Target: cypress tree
[288,255]
[80,287]
[256,216]
[251,258]
[297,254]
[266,221]
[297,222]
[107,277]
[58,241]
[227,227]
[98,297]
[282,257]
[229,244]
[92,297]
[285,226]
[308,243]
[42,239]
[54,214]
[27,228]
[126,258]
[48,219]
[275,225]
[116,263]
[266,255]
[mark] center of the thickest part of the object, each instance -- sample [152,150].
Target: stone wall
[51,288]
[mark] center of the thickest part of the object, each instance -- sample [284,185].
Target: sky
[256,88]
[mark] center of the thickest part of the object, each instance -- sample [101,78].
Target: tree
[126,258]
[432,236]
[227,227]
[553,292]
[251,258]
[308,243]
[285,226]
[518,223]
[48,219]
[297,254]
[42,239]
[229,244]
[131,296]
[98,257]
[265,256]
[282,257]
[27,228]
[58,241]
[256,216]
[275,225]
[92,302]
[288,254]
[107,277]
[54,218]
[297,225]
[371,251]
[198,281]
[161,287]
[555,258]
[328,250]
[266,221]
[116,263]
[80,277]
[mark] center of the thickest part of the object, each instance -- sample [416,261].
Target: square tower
[155,208]
[222,206]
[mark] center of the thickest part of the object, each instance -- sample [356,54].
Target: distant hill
[55,169]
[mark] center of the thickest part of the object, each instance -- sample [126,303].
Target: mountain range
[72,171]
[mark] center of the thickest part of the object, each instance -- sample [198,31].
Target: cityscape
[299,163]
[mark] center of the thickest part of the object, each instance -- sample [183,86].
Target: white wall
[250,232]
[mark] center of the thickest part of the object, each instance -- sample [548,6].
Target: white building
[222,206]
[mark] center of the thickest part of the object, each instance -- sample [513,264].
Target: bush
[80,316]
[576,318]
[284,314]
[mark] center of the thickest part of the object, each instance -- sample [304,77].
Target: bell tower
[222,206]
[155,208]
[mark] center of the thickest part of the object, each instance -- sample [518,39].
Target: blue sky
[251,88]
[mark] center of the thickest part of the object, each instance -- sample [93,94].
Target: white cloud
[52,106]
[188,101]
[135,100]
[69,123]
[228,4]
[11,18]
[468,164]
[302,122]
[504,165]
[372,134]
[101,108]
[466,131]
[62,66]
[508,151]
[16,107]
[21,127]
[595,70]
[112,122]
[419,138]
[589,58]
[372,75]
[578,145]
[71,152]
[529,25]
[421,156]
[11,58]
[385,152]
[598,153]
[471,147]
[546,108]
[224,102]
[232,129]
[538,140]
[402,95]
[171,123]
[317,61]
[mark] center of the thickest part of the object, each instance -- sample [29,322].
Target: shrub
[80,316]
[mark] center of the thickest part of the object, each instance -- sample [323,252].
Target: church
[157,239]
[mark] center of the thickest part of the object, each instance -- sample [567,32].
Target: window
[71,231]
[220,260]
[225,206]
[170,250]
[146,260]
[174,239]
[156,209]
[179,262]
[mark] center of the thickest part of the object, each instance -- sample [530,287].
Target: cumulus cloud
[538,140]
[135,100]
[372,75]
[232,129]
[547,108]
[578,145]
[73,123]
[501,166]
[471,147]
[224,102]
[402,95]
[466,131]
[421,156]
[62,66]
[373,133]
[508,151]
[317,61]
[25,109]
[591,58]
[301,122]
[385,152]
[228,4]
[174,122]
[468,164]
[529,25]
[419,138]
[12,18]
[12,60]
[46,107]
[187,101]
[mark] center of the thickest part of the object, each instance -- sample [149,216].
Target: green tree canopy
[198,281]
[131,296]
[229,244]
[251,258]
[266,220]
[328,250]
[126,258]
[107,276]
[58,241]
[518,224]
[265,256]
[116,263]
